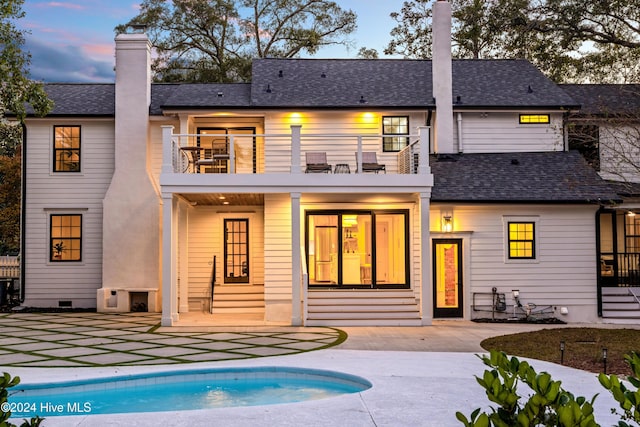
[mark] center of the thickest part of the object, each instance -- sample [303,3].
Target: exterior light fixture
[604,359]
[562,352]
[630,213]
[447,222]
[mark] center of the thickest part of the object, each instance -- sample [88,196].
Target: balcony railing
[286,153]
[622,269]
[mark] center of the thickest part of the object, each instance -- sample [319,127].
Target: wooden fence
[9,267]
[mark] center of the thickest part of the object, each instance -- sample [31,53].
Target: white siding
[619,152]
[563,275]
[501,132]
[47,192]
[277,247]
[205,238]
[340,150]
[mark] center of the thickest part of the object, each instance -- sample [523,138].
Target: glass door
[447,278]
[236,250]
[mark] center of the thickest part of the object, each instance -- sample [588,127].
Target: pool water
[181,390]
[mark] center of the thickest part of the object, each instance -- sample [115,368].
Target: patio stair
[619,305]
[371,307]
[238,299]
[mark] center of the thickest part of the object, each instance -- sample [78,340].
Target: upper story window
[65,237]
[393,129]
[66,148]
[522,240]
[534,119]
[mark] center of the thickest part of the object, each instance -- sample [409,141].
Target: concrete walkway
[421,376]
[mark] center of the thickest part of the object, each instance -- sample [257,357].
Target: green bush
[628,399]
[549,405]
[6,382]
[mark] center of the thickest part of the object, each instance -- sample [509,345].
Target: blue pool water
[181,390]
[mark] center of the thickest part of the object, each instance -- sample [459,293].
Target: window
[65,241]
[521,240]
[66,148]
[392,129]
[236,251]
[529,119]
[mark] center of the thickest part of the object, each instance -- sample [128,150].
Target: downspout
[429,117]
[23,210]
[460,143]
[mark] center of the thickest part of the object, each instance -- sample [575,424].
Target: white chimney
[441,75]
[131,207]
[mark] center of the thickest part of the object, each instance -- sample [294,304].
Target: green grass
[583,347]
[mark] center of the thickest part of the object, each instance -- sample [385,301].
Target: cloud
[64,5]
[68,64]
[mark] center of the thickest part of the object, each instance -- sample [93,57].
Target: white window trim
[505,238]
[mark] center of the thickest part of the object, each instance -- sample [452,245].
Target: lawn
[582,347]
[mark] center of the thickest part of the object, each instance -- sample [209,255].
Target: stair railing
[305,284]
[213,283]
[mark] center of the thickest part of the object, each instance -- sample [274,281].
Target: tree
[215,40]
[16,91]
[569,40]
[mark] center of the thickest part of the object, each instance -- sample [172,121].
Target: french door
[236,250]
[357,249]
[447,278]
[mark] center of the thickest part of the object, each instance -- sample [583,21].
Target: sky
[72,40]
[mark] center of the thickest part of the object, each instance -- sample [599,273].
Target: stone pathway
[98,339]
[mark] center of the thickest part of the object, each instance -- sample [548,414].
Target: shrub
[6,382]
[628,399]
[549,405]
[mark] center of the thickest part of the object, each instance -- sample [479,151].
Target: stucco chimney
[441,75]
[131,207]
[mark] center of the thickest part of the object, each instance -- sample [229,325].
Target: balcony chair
[218,162]
[317,163]
[370,162]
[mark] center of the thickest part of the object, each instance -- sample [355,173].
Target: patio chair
[317,163]
[370,162]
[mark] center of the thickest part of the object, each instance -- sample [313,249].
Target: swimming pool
[181,390]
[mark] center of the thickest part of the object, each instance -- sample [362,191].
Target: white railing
[9,267]
[286,153]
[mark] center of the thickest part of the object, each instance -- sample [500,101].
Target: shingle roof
[335,83]
[391,83]
[605,98]
[209,95]
[81,99]
[546,177]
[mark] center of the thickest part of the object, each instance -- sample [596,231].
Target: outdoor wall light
[447,222]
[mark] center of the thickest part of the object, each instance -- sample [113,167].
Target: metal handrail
[304,283]
[213,283]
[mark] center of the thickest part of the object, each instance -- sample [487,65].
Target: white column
[167,149]
[359,156]
[169,282]
[426,291]
[295,148]
[423,158]
[296,273]
[183,253]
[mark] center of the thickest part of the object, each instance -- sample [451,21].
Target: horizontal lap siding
[502,132]
[206,237]
[335,122]
[47,283]
[277,246]
[565,272]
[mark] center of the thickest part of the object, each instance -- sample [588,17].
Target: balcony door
[215,142]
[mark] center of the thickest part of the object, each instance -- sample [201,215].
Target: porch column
[296,259]
[423,158]
[169,260]
[295,149]
[426,292]
[167,149]
[183,251]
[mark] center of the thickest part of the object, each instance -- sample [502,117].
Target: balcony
[245,162]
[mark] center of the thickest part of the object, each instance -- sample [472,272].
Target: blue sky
[72,40]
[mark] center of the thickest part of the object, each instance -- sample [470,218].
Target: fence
[9,267]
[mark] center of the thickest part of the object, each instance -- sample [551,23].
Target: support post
[423,158]
[295,149]
[167,149]
[426,291]
[359,165]
[169,277]
[296,273]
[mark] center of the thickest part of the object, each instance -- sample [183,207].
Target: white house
[207,198]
